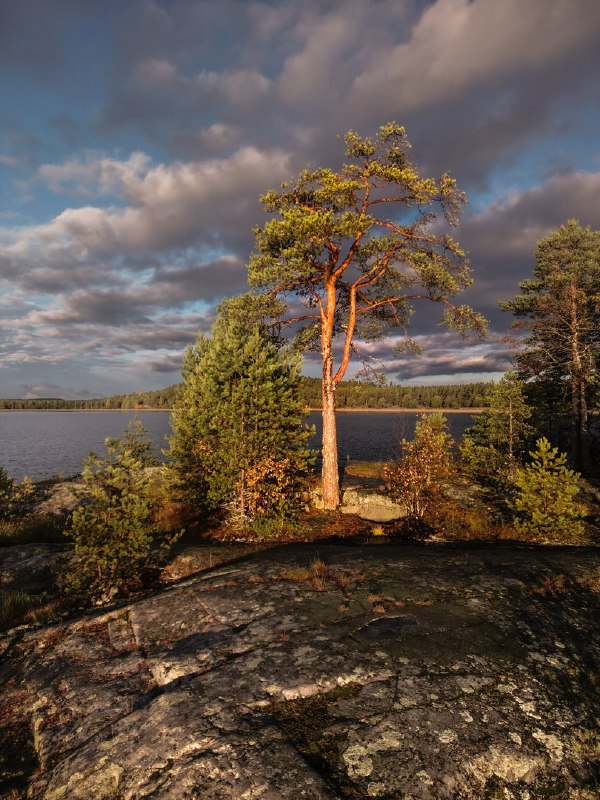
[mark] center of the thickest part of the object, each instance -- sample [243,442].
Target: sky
[137,137]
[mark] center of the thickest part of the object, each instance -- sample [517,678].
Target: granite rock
[417,672]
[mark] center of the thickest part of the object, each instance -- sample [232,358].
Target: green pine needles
[238,435]
[115,536]
[545,499]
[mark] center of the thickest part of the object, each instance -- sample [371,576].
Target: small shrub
[45,613]
[116,538]
[14,495]
[455,521]
[272,487]
[545,497]
[426,462]
[297,574]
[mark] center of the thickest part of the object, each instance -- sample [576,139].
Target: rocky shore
[425,672]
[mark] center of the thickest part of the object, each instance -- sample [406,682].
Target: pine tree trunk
[331,490]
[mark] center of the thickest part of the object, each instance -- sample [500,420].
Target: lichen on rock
[239,683]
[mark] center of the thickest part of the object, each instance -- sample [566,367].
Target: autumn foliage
[426,462]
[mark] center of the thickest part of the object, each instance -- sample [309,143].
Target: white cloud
[94,174]
[203,204]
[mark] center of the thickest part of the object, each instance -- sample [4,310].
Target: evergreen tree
[492,446]
[13,494]
[114,532]
[135,442]
[238,436]
[545,498]
[356,249]
[560,310]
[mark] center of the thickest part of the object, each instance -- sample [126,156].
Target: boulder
[368,504]
[61,499]
[371,505]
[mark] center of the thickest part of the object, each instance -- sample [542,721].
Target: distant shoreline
[395,409]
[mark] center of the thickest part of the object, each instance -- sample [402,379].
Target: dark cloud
[502,239]
[168,364]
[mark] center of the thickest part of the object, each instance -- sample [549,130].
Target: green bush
[239,438]
[116,538]
[545,497]
[13,494]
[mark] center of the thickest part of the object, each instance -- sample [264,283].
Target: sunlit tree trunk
[331,489]
[330,475]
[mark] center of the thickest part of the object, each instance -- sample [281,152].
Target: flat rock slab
[416,672]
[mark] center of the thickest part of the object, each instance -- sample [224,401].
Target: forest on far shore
[350,394]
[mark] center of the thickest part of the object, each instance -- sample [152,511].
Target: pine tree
[135,442]
[238,436]
[354,250]
[560,309]
[493,445]
[114,532]
[545,499]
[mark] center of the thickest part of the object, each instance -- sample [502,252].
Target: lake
[43,443]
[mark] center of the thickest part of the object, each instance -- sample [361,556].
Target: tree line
[351,394]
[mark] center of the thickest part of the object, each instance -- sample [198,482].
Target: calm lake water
[43,443]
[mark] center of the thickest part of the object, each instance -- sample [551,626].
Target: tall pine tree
[353,251]
[238,433]
[560,310]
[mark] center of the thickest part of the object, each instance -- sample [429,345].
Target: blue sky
[136,139]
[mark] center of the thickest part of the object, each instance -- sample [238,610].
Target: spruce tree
[238,436]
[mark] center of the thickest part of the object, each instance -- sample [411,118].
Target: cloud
[443,353]
[94,175]
[170,207]
[461,44]
[193,113]
[502,239]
